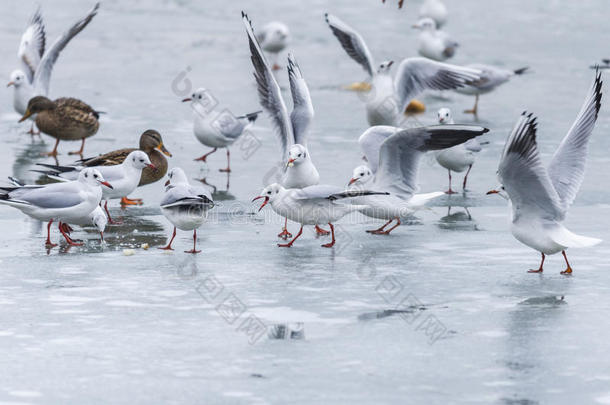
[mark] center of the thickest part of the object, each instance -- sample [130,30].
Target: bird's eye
[95,175]
[86,175]
[299,155]
[268,192]
[361,174]
[200,97]
[142,160]
[194,95]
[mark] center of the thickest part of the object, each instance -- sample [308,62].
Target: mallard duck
[65,119]
[151,142]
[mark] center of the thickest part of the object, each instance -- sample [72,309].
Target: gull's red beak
[492,192]
[264,202]
[152,166]
[9,84]
[105,183]
[352,181]
[187,99]
[167,183]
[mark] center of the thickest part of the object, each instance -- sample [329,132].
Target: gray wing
[399,155]
[491,76]
[352,43]
[567,167]
[184,194]
[302,110]
[269,93]
[418,74]
[370,143]
[524,177]
[320,191]
[31,48]
[42,76]
[56,195]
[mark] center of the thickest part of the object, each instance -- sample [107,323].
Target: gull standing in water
[185,206]
[273,38]
[540,197]
[292,129]
[388,99]
[34,77]
[433,43]
[459,157]
[393,155]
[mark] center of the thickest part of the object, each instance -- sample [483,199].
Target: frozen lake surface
[442,311]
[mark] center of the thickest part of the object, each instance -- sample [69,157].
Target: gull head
[275,37]
[425,24]
[37,104]
[199,96]
[297,154]
[500,190]
[361,176]
[444,116]
[92,177]
[17,78]
[385,66]
[176,176]
[139,160]
[269,194]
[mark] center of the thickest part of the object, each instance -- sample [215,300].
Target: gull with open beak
[540,197]
[313,205]
[124,177]
[65,202]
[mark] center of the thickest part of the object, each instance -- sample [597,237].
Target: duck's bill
[9,84]
[161,147]
[187,99]
[264,202]
[27,115]
[105,183]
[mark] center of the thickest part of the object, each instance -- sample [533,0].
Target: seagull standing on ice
[388,99]
[540,197]
[34,77]
[273,38]
[185,206]
[433,43]
[459,157]
[393,157]
[434,9]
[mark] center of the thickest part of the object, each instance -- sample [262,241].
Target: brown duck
[65,119]
[151,142]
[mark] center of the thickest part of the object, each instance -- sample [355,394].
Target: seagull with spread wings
[540,197]
[388,97]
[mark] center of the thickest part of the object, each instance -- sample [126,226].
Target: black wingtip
[485,130]
[522,70]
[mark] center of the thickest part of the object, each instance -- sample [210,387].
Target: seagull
[313,205]
[217,130]
[124,177]
[292,129]
[393,157]
[389,98]
[273,38]
[185,206]
[540,197]
[432,42]
[491,78]
[434,9]
[457,158]
[65,202]
[34,77]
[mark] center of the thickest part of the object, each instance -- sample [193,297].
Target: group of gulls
[384,188]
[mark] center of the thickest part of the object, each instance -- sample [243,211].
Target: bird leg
[289,244]
[474,109]
[110,220]
[228,169]
[285,234]
[569,269]
[69,240]
[169,245]
[80,151]
[450,191]
[204,181]
[54,151]
[128,201]
[204,157]
[48,241]
[379,230]
[392,228]
[32,132]
[466,178]
[321,232]
[194,251]
[540,268]
[332,232]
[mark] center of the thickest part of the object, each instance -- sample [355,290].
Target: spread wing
[418,74]
[567,167]
[400,154]
[302,110]
[31,48]
[42,76]
[352,43]
[370,143]
[269,93]
[524,177]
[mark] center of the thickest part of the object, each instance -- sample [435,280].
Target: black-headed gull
[540,197]
[388,99]
[273,38]
[313,205]
[124,177]
[216,129]
[34,76]
[491,78]
[185,206]
[433,43]
[65,202]
[458,158]
[434,9]
[393,157]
